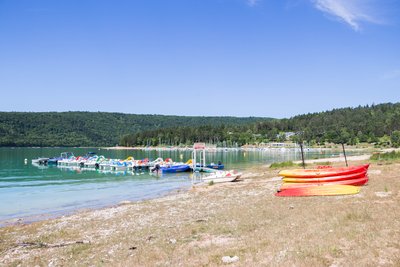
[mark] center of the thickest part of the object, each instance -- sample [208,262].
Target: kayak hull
[318,173]
[326,190]
[175,169]
[355,182]
[357,175]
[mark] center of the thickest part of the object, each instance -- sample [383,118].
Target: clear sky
[269,58]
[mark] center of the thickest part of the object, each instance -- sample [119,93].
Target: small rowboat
[222,177]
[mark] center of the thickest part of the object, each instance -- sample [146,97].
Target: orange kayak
[356,182]
[351,176]
[316,173]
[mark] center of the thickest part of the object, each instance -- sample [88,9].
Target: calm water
[27,191]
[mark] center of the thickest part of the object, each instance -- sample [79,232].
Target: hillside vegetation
[378,124]
[91,128]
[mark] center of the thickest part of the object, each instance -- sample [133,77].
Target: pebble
[229,259]
[172,241]
[125,202]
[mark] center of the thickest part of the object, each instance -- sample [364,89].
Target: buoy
[26,161]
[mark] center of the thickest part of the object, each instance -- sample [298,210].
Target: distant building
[286,134]
[289,134]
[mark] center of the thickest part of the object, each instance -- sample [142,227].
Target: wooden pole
[302,155]
[344,153]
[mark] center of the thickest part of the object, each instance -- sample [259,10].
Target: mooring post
[302,155]
[344,153]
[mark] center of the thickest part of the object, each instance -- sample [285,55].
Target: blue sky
[269,58]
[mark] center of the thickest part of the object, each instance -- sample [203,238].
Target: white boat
[40,161]
[222,177]
[71,161]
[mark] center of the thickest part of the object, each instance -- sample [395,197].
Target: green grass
[285,164]
[386,156]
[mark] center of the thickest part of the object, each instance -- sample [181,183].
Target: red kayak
[317,173]
[356,182]
[351,176]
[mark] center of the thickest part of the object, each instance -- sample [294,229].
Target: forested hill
[372,124]
[351,125]
[92,128]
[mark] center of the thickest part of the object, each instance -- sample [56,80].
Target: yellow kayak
[323,190]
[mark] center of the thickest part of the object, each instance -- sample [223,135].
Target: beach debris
[383,194]
[172,241]
[375,172]
[132,248]
[274,179]
[229,259]
[149,238]
[281,255]
[45,245]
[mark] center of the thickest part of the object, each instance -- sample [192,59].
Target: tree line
[379,124]
[74,129]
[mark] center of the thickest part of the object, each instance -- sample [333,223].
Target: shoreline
[202,225]
[248,148]
[55,215]
[36,218]
[336,159]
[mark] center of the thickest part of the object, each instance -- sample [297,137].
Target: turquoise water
[28,192]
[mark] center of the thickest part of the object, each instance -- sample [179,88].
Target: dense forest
[379,124]
[92,128]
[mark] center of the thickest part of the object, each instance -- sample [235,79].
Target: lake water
[29,192]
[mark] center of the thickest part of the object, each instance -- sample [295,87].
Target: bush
[395,139]
[386,156]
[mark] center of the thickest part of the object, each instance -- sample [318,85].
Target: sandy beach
[235,224]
